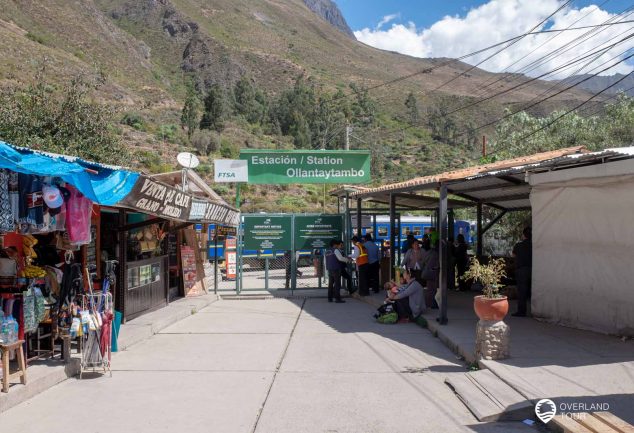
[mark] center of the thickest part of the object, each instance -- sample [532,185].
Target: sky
[452,28]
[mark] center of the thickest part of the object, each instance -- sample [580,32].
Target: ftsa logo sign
[226,175]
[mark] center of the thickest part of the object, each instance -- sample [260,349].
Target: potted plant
[491,305]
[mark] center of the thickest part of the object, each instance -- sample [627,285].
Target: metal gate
[284,251]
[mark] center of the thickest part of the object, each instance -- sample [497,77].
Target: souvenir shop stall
[82,243]
[50,286]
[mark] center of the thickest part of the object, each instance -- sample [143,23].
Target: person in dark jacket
[335,263]
[523,253]
[374,266]
[461,257]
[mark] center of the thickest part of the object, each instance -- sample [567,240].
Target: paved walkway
[550,361]
[266,366]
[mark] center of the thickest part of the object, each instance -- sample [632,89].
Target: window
[416,230]
[405,230]
[382,231]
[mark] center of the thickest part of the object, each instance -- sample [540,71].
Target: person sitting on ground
[409,302]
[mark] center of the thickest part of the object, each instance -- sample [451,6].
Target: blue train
[416,225]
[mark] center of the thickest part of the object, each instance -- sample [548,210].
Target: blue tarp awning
[103,184]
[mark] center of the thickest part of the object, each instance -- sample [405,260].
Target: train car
[416,225]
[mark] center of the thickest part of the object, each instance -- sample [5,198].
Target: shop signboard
[316,231]
[188,263]
[165,201]
[231,260]
[307,166]
[225,231]
[268,232]
[231,170]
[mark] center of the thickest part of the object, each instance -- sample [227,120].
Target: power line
[555,94]
[567,47]
[540,46]
[509,41]
[558,69]
[555,120]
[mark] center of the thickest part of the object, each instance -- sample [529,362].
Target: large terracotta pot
[491,309]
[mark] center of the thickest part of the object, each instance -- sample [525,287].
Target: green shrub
[229,150]
[205,141]
[134,120]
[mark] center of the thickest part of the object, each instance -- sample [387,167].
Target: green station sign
[316,231]
[268,232]
[307,166]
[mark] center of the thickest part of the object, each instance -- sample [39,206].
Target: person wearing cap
[360,256]
[335,263]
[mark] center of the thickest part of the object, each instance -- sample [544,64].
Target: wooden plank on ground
[595,424]
[567,425]
[614,421]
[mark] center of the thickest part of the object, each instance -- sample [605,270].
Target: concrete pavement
[266,366]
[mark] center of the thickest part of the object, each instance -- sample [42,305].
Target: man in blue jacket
[335,263]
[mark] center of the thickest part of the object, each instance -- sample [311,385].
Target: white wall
[583,247]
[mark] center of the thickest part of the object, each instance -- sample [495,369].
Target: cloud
[386,19]
[499,20]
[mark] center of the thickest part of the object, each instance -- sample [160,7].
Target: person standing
[374,267]
[360,256]
[413,260]
[523,253]
[461,257]
[335,263]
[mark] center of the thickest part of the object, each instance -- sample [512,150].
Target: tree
[413,115]
[522,133]
[62,120]
[214,114]
[249,101]
[190,114]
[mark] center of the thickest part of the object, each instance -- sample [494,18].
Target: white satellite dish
[187,160]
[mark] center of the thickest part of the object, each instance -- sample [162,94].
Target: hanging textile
[7,224]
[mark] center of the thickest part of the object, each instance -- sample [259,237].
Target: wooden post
[479,233]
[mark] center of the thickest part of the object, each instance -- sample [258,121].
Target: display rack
[96,341]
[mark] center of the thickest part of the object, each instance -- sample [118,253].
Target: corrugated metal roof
[468,172]
[501,184]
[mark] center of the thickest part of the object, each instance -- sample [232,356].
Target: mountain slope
[145,47]
[329,11]
[597,84]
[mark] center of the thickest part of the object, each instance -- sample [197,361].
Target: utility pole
[348,130]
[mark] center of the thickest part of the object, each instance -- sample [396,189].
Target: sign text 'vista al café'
[306,166]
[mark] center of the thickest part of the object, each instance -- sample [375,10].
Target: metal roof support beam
[443,253]
[508,198]
[486,188]
[392,234]
[491,223]
[479,234]
[511,179]
[475,200]
[359,218]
